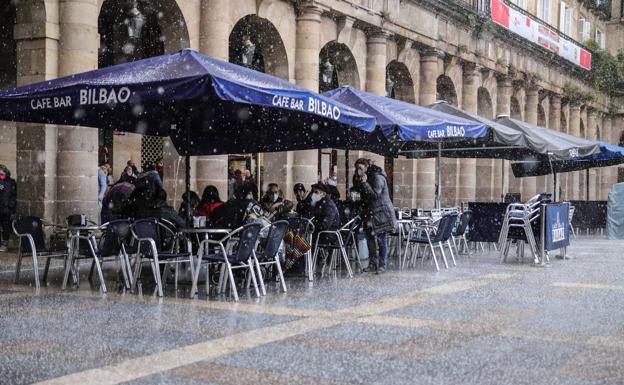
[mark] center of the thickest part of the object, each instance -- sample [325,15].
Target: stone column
[608,175]
[574,123]
[305,163]
[35,144]
[425,176]
[376,73]
[554,123]
[77,168]
[529,185]
[466,189]
[592,180]
[503,107]
[584,131]
[214,33]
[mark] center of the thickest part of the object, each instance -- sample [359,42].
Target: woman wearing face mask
[128,176]
[326,215]
[8,203]
[272,199]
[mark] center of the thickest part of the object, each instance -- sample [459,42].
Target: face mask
[315,198]
[2,177]
[275,197]
[333,181]
[249,196]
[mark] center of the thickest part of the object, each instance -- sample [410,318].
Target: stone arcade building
[429,49]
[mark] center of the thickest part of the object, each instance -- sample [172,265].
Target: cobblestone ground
[481,322]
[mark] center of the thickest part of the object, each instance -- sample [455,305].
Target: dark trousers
[377,243]
[5,225]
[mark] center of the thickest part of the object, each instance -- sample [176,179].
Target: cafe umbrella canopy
[408,127]
[207,107]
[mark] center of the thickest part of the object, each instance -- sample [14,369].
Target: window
[543,10]
[600,38]
[565,18]
[583,30]
[520,3]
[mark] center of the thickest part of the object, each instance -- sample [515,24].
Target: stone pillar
[214,34]
[529,185]
[466,190]
[608,175]
[425,176]
[584,130]
[574,123]
[35,144]
[592,180]
[503,107]
[305,163]
[77,147]
[376,73]
[554,123]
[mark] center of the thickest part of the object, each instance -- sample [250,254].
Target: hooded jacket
[8,193]
[377,208]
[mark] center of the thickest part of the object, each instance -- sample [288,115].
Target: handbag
[296,247]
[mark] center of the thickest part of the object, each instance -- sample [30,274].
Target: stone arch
[582,132]
[515,108]
[270,53]
[345,69]
[401,84]
[446,90]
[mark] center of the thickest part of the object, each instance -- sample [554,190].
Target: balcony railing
[481,7]
[602,6]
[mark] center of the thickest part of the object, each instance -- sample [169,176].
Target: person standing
[8,204]
[103,172]
[377,210]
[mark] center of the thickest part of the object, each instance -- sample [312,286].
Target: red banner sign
[539,33]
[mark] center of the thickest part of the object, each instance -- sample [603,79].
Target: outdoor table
[199,233]
[73,232]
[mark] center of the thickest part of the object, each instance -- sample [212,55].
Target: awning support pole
[437,173]
[346,173]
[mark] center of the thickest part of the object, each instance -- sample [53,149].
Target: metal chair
[31,240]
[460,231]
[234,251]
[268,251]
[334,240]
[149,245]
[305,227]
[432,237]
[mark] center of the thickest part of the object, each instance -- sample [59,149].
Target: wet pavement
[481,322]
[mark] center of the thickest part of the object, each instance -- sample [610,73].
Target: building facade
[416,51]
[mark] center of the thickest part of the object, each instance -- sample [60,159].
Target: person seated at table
[326,215]
[114,200]
[272,199]
[157,207]
[233,213]
[194,203]
[209,202]
[304,206]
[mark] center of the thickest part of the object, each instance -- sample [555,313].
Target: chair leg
[45,271]
[122,266]
[257,263]
[435,259]
[345,257]
[466,245]
[252,274]
[98,266]
[448,242]
[156,267]
[281,274]
[232,282]
[18,266]
[443,255]
[36,269]
[91,271]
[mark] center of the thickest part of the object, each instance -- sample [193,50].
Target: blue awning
[206,105]
[409,122]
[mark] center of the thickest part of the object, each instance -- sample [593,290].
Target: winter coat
[304,207]
[8,194]
[377,208]
[326,218]
[102,184]
[160,210]
[207,209]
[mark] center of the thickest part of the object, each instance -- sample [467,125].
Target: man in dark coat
[304,206]
[8,204]
[377,211]
[326,215]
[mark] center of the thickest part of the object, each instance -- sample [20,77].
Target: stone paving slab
[481,322]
